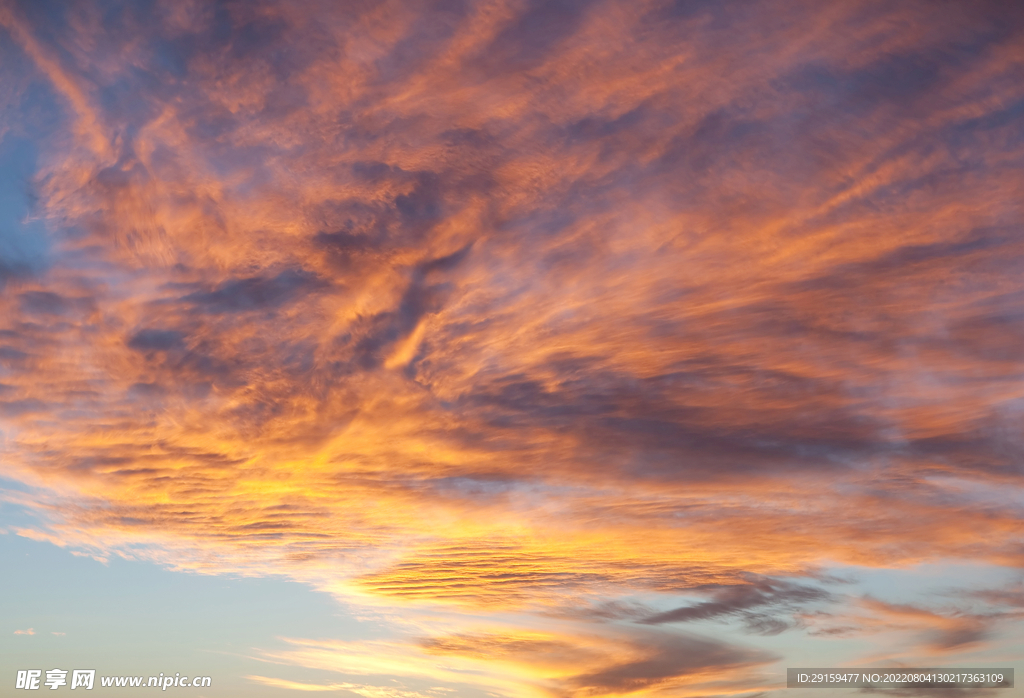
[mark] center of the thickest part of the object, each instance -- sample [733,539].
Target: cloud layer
[573,322]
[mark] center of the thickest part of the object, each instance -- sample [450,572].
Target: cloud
[156,340]
[53,304]
[30,631]
[568,312]
[923,632]
[294,685]
[675,658]
[741,599]
[368,691]
[253,293]
[539,661]
[33,534]
[944,632]
[1009,597]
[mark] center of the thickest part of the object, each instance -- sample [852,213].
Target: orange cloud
[540,663]
[613,315]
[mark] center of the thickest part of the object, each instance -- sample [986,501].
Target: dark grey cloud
[192,369]
[1011,596]
[660,425]
[48,303]
[44,303]
[689,9]
[423,40]
[740,599]
[17,408]
[763,624]
[972,631]
[426,293]
[610,611]
[529,40]
[671,656]
[377,229]
[11,355]
[157,340]
[343,242]
[422,206]
[147,390]
[255,293]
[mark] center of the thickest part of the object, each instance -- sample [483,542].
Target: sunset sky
[511,348]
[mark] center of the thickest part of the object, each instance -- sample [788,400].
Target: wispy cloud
[527,663]
[943,632]
[748,601]
[368,691]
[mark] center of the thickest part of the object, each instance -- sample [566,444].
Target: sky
[511,348]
